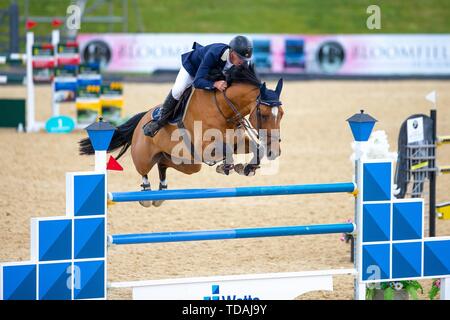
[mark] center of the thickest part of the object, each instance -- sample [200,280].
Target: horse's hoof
[145,204]
[157,203]
[250,170]
[239,168]
[225,169]
[247,170]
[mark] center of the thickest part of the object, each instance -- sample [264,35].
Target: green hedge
[265,16]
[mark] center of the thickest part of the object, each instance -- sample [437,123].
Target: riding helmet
[242,46]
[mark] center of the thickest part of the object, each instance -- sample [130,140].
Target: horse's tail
[121,138]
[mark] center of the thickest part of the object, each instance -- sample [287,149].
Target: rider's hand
[220,85]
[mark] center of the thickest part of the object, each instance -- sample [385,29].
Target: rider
[196,65]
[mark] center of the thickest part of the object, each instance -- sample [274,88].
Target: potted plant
[395,290]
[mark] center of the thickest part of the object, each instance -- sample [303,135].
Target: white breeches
[184,80]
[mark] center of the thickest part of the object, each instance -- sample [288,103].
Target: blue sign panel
[61,124]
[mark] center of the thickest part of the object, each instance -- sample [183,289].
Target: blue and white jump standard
[69,253]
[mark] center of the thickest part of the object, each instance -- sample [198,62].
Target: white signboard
[415,130]
[268,286]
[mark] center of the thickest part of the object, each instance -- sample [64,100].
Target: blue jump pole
[207,235]
[231,192]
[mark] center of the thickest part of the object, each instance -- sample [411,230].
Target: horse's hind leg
[145,187]
[144,169]
[144,158]
[162,169]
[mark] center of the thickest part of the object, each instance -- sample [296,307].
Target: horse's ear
[279,87]
[263,87]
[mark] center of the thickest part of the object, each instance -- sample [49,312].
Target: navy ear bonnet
[270,97]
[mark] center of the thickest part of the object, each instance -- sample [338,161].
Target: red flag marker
[113,164]
[30,24]
[56,23]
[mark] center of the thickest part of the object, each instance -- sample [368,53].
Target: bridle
[239,121]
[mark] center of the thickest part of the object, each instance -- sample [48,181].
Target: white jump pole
[30,112]
[55,41]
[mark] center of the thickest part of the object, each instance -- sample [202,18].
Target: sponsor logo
[331,56]
[216,295]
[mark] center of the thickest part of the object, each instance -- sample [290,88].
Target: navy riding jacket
[201,60]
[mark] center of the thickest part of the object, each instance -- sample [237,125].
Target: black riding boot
[151,128]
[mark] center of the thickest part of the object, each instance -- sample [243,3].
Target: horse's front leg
[228,163]
[249,169]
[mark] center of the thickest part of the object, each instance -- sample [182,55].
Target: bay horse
[245,95]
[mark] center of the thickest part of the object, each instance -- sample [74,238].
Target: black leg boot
[151,128]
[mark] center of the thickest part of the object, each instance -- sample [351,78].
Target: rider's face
[235,59]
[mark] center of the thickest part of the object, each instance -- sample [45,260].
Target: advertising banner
[383,55]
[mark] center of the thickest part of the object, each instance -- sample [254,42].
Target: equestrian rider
[196,65]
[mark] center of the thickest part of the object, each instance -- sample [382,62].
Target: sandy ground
[315,148]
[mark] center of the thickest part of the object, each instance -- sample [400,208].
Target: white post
[55,37]
[55,41]
[360,288]
[30,112]
[445,289]
[100,161]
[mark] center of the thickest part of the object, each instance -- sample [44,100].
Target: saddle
[179,110]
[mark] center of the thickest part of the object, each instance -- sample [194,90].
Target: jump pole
[223,234]
[258,191]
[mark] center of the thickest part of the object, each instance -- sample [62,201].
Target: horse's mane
[236,74]
[243,74]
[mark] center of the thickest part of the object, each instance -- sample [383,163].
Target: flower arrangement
[390,288]
[435,289]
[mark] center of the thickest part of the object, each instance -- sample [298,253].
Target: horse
[214,110]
